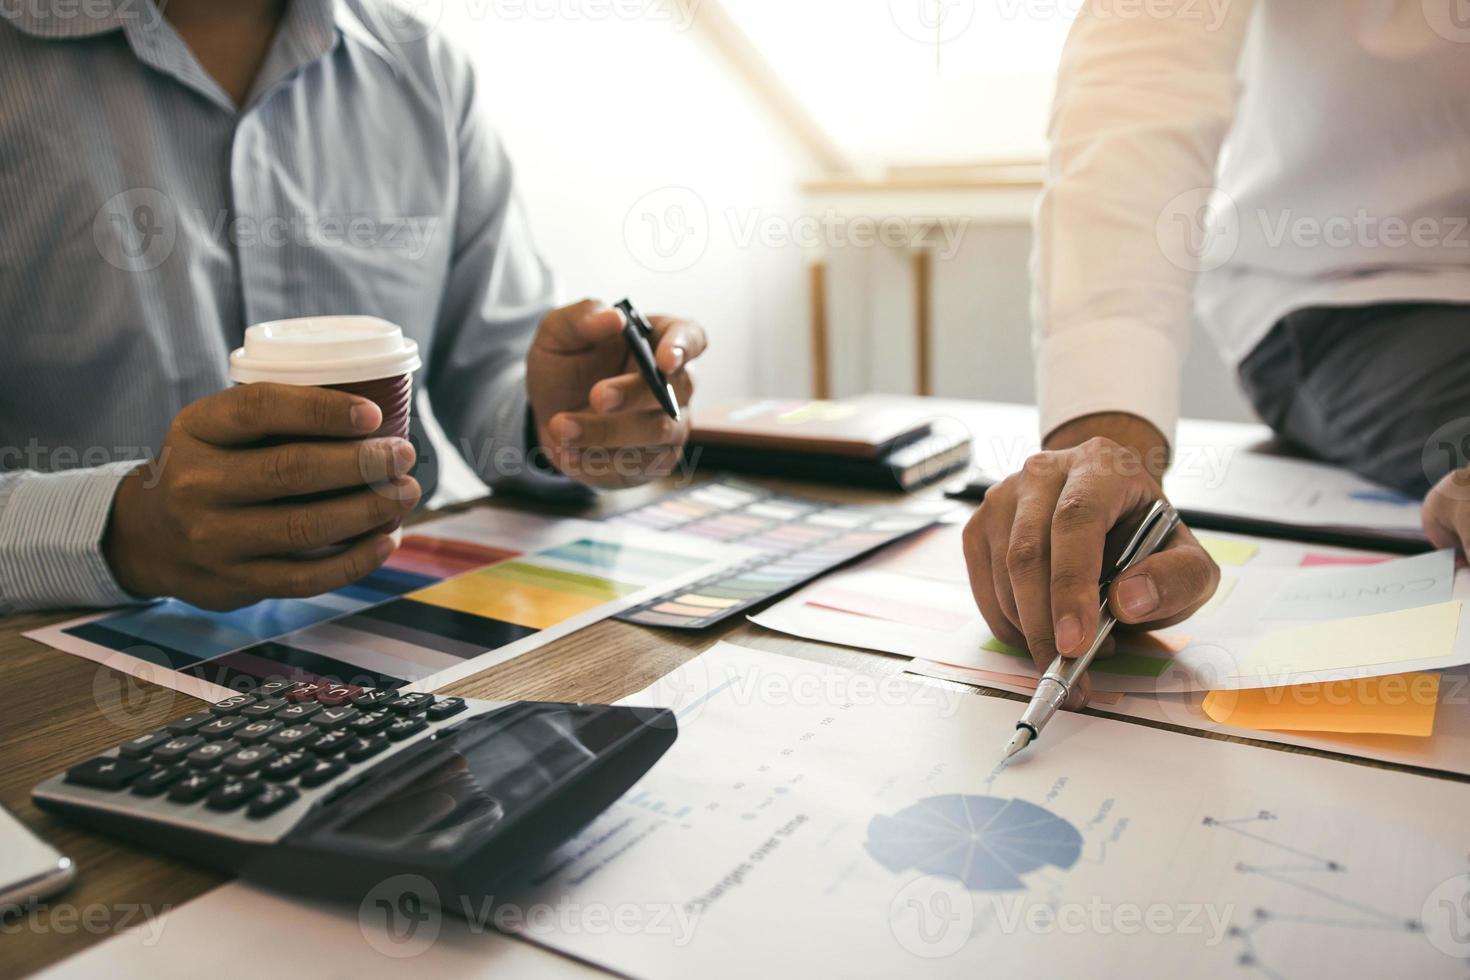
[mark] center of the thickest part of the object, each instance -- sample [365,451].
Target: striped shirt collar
[309,30]
[310,24]
[66,19]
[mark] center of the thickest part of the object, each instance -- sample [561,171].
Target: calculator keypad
[176,748]
[270,799]
[211,754]
[257,731]
[222,726]
[154,783]
[192,787]
[255,753]
[248,759]
[233,794]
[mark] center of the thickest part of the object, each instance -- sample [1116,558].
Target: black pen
[639,335]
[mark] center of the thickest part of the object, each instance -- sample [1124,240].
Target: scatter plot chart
[1310,875]
[985,842]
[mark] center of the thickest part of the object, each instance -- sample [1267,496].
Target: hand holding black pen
[639,335]
[606,386]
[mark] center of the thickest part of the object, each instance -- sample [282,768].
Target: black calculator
[330,790]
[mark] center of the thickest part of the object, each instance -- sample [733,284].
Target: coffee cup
[361,355]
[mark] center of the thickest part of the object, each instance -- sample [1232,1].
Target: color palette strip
[799,539]
[465,616]
[439,602]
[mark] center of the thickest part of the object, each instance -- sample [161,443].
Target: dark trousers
[1382,390]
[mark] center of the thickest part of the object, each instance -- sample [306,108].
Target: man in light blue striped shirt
[167,179]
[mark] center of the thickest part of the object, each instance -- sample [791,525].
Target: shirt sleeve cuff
[1109,366]
[51,529]
[516,464]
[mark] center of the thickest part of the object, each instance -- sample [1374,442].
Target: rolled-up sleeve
[51,530]
[1143,104]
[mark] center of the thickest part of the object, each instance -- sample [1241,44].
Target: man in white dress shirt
[1296,176]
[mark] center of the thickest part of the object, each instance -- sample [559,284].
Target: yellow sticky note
[1228,551]
[1400,704]
[1422,633]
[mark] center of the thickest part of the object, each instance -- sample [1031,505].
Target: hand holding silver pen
[1065,673]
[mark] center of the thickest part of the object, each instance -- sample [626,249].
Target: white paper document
[1218,468]
[1284,614]
[821,823]
[811,821]
[1363,590]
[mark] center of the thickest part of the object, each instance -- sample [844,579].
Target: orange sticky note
[1399,704]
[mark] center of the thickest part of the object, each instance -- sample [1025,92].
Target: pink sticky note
[882,607]
[1319,560]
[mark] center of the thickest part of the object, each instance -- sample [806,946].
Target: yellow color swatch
[1423,633]
[1400,704]
[526,605]
[1228,551]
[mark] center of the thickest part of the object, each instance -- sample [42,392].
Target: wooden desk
[57,710]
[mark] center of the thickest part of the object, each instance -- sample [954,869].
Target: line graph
[1305,872]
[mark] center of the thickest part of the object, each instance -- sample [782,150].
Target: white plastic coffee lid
[323,350]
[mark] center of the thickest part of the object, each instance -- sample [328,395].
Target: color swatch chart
[797,539]
[485,582]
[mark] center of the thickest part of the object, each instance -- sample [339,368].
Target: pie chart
[985,842]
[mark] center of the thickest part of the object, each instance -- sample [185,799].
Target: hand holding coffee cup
[307,453]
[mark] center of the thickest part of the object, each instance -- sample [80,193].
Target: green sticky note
[1119,664]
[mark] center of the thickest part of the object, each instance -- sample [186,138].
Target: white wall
[627,129]
[651,171]
[982,331]
[624,129]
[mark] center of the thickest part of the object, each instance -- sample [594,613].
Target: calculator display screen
[485,772]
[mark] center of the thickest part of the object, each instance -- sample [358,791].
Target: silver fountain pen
[1057,683]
